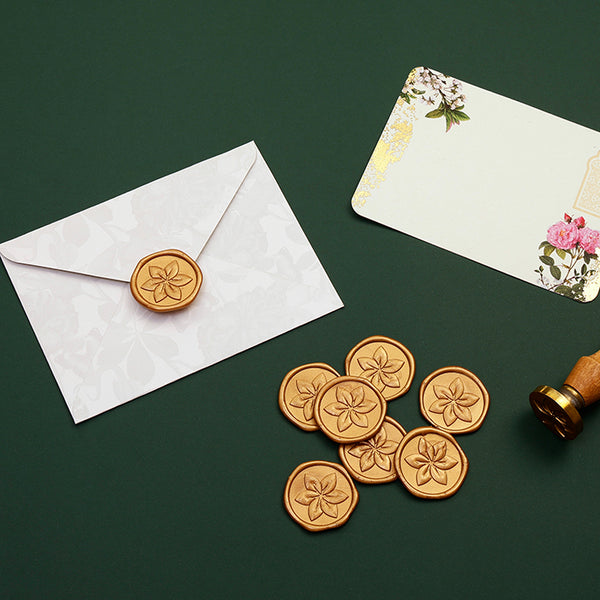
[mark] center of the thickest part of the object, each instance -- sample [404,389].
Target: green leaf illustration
[461,116]
[584,269]
[555,272]
[561,253]
[448,121]
[547,260]
[563,289]
[434,114]
[549,249]
[544,244]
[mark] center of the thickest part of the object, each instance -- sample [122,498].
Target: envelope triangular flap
[178,211]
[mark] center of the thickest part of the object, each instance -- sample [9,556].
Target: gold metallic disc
[320,495]
[454,400]
[556,412]
[349,409]
[298,391]
[430,463]
[166,281]
[386,363]
[372,461]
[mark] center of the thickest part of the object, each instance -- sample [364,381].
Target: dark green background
[179,494]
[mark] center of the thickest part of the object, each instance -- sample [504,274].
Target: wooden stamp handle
[585,378]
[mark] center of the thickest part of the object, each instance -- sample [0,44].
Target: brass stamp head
[558,410]
[166,281]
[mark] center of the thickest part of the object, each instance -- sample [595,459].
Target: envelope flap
[178,211]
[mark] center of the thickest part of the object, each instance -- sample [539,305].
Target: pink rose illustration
[567,218]
[580,222]
[563,235]
[589,239]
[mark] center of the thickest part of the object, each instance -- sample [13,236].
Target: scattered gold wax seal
[430,463]
[298,391]
[372,461]
[349,409]
[454,400]
[320,495]
[165,281]
[386,363]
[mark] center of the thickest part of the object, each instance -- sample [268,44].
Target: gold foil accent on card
[166,281]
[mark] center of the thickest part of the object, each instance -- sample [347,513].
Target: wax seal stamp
[560,409]
[386,363]
[430,463]
[320,495]
[166,281]
[298,391]
[349,409]
[372,461]
[454,400]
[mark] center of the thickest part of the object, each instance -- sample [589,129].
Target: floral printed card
[468,170]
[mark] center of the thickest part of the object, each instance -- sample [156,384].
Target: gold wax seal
[430,463]
[320,495]
[454,400]
[372,461]
[349,409]
[386,363]
[298,391]
[166,281]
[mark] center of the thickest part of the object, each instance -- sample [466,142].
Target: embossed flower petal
[368,364]
[308,409]
[446,463]
[172,291]
[422,447]
[416,461]
[380,438]
[449,415]
[335,409]
[300,400]
[359,449]
[457,387]
[314,509]
[392,366]
[388,447]
[463,413]
[312,483]
[389,379]
[180,280]
[306,497]
[438,475]
[319,381]
[439,406]
[468,399]
[336,497]
[383,461]
[441,391]
[159,293]
[358,396]
[157,272]
[304,387]
[358,419]
[344,421]
[171,269]
[151,284]
[424,474]
[343,395]
[331,510]
[366,406]
[381,356]
[328,483]
[439,450]
[367,460]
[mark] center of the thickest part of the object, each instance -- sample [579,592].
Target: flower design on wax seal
[351,407]
[375,451]
[166,282]
[453,402]
[321,496]
[380,370]
[431,462]
[308,391]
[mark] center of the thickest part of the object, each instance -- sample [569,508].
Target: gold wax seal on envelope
[166,281]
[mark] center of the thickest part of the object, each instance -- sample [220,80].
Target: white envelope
[261,278]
